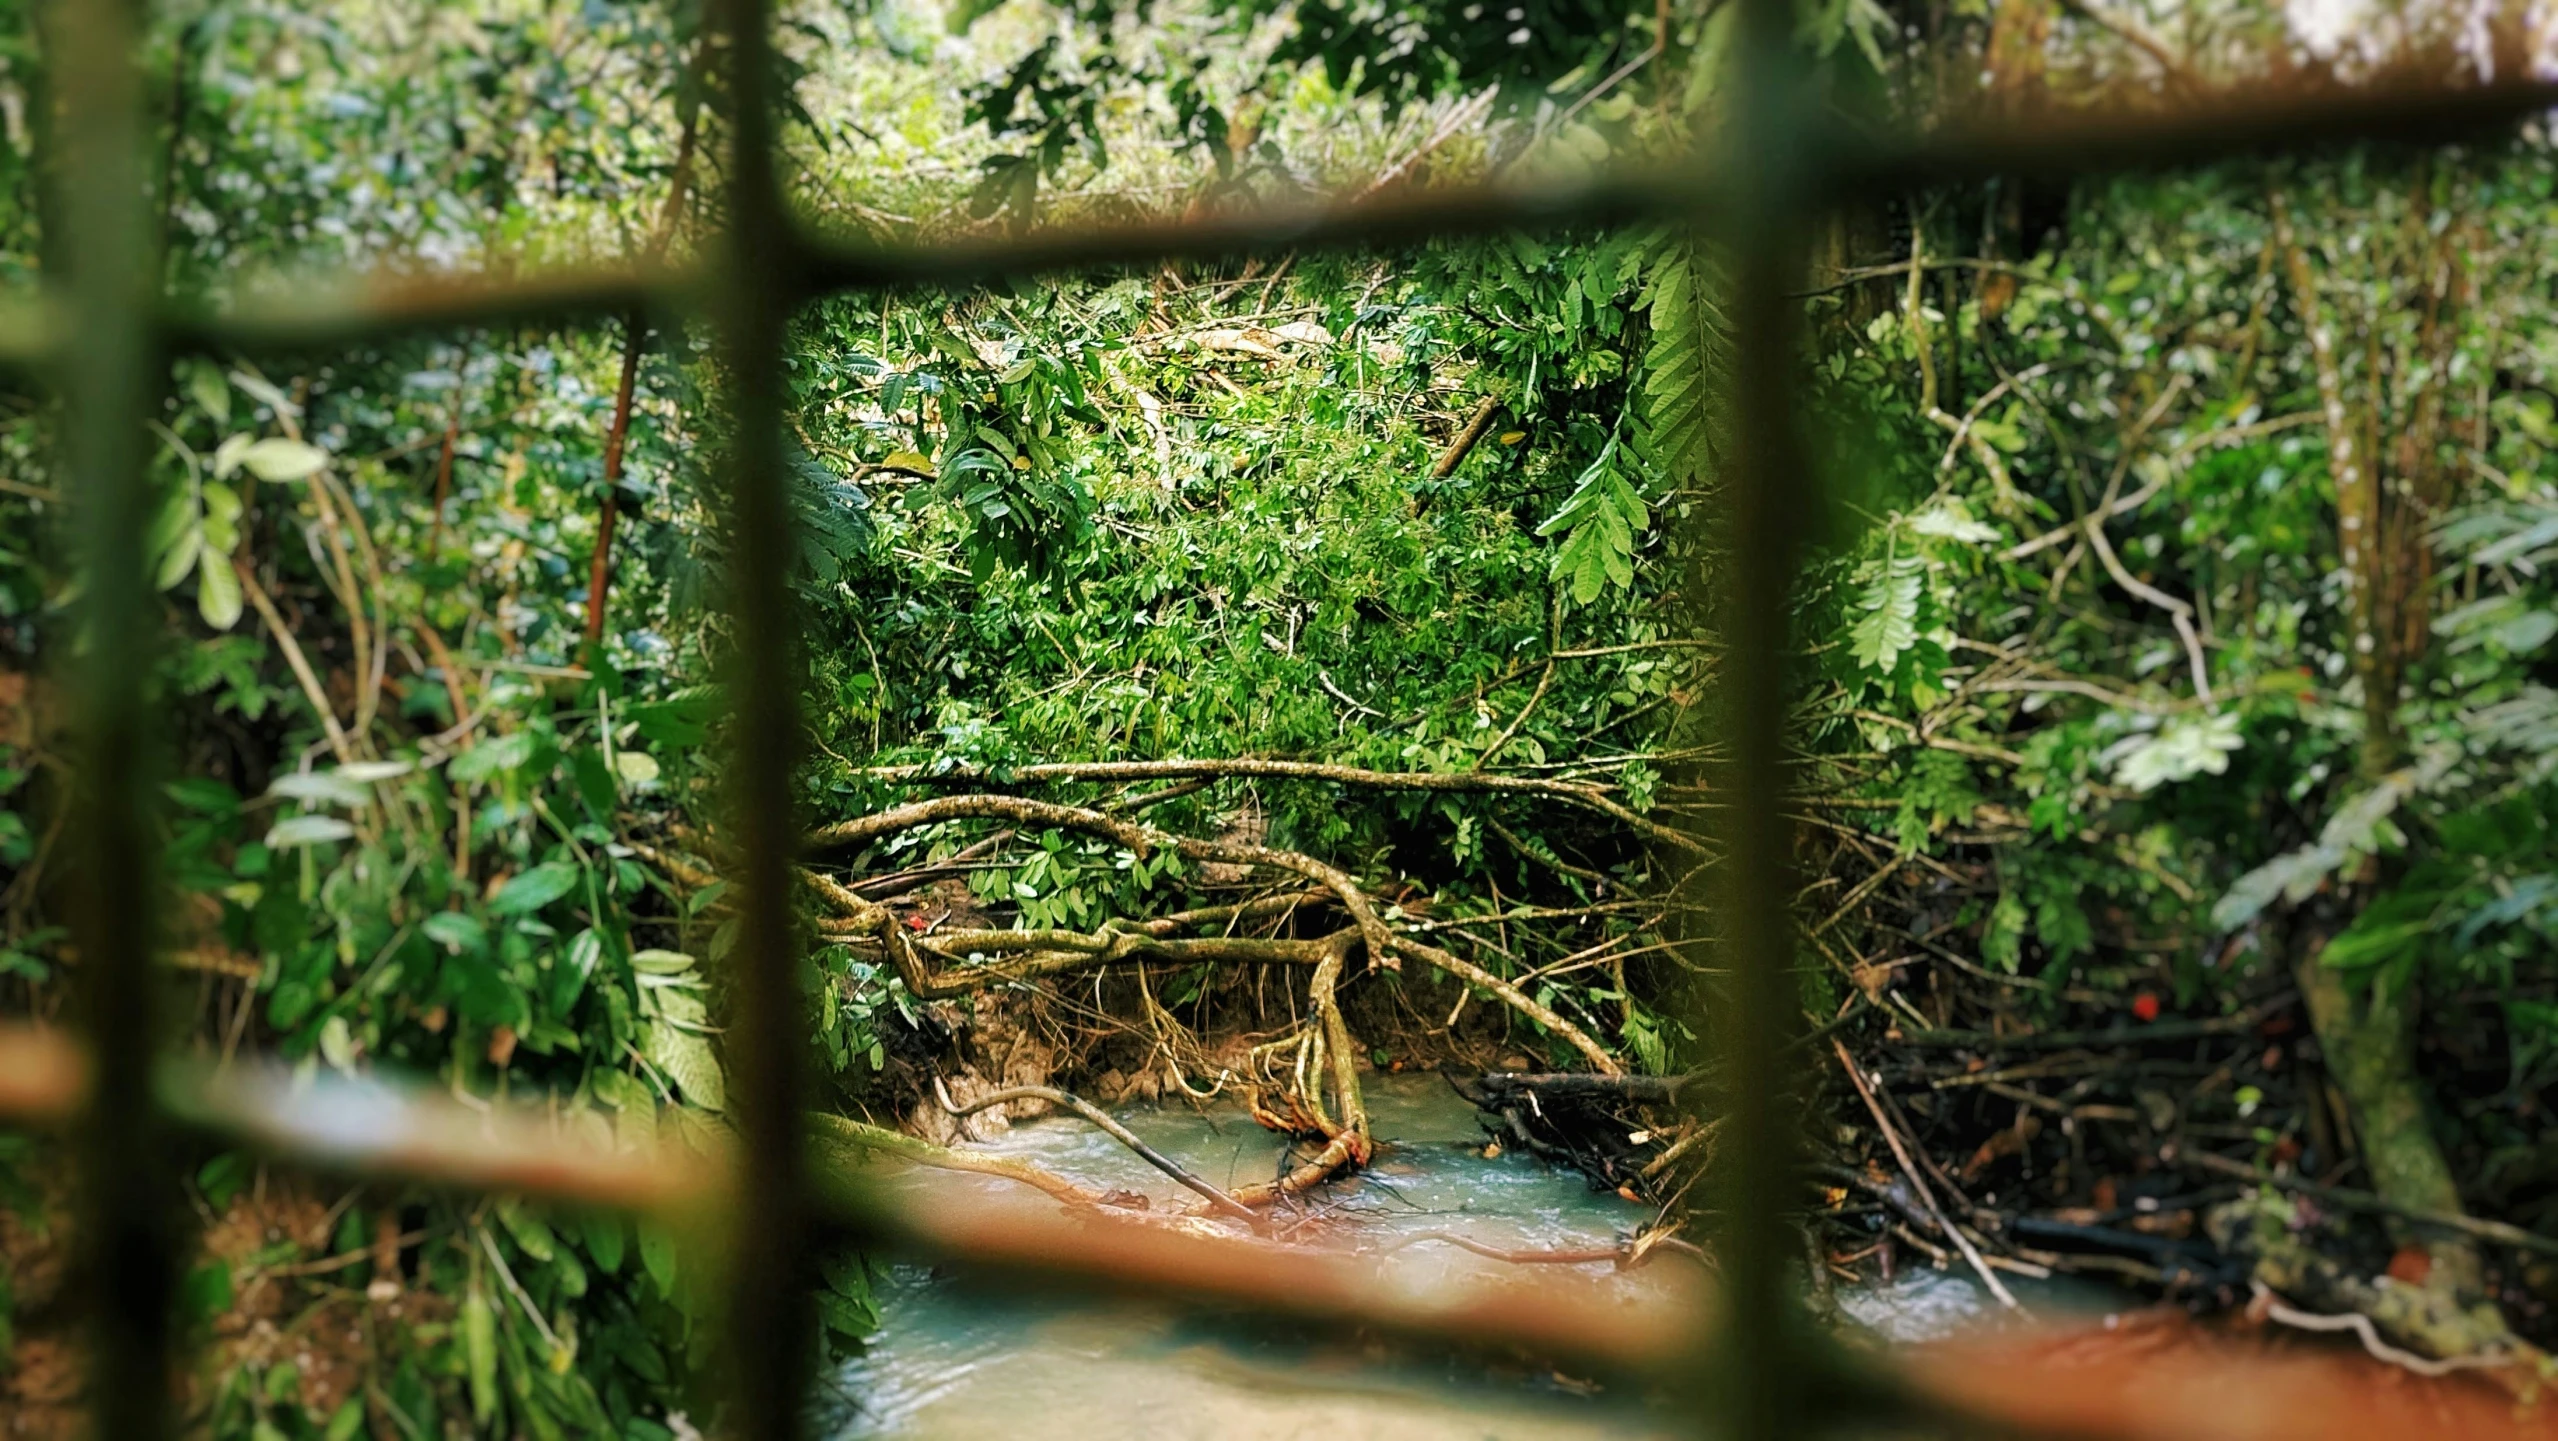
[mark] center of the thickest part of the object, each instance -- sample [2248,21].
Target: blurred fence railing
[102,335]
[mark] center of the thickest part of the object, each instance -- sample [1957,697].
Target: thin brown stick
[1463,446]
[444,458]
[283,634]
[634,337]
[599,577]
[1918,1183]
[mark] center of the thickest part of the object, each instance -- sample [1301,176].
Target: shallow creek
[956,1361]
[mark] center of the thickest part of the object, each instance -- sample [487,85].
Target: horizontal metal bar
[335,310]
[1559,1317]
[2255,122]
[370,1127]
[338,309]
[374,1127]
[331,311]
[2021,1380]
[1397,217]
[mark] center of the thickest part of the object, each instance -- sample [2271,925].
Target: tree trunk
[2368,1032]
[2369,1041]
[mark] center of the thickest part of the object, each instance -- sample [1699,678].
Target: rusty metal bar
[318,312]
[104,331]
[770,1337]
[109,378]
[1759,1364]
[2259,120]
[328,311]
[2022,1381]
[375,1127]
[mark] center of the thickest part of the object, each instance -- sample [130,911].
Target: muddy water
[955,1362]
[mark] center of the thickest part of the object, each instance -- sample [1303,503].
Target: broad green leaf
[604,1240]
[687,1060]
[486,759]
[226,456]
[1887,623]
[657,1253]
[276,458]
[221,518]
[528,1229]
[534,889]
[330,788]
[210,392]
[179,558]
[306,831]
[217,593]
[479,1350]
[264,393]
[455,930]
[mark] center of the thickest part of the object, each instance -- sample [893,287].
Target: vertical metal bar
[1759,1363]
[108,380]
[770,1339]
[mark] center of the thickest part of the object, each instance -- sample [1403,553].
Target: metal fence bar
[769,1315]
[110,380]
[1758,1364]
[105,330]
[322,312]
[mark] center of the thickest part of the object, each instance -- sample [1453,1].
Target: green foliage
[1600,524]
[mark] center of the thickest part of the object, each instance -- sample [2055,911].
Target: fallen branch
[1585,796]
[1463,446]
[2364,1201]
[1111,1127]
[312,690]
[1340,1151]
[1516,999]
[1562,1085]
[1383,944]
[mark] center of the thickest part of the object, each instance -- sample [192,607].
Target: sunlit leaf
[307,831]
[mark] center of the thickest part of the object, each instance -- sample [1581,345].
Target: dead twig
[1918,1183]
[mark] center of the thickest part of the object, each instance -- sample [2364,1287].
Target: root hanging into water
[842,1133]
[1102,1119]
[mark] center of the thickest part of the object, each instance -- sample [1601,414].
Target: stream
[955,1361]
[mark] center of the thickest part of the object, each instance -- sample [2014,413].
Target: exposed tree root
[1584,795]
[1340,1152]
[1625,1257]
[1110,1127]
[1384,945]
[844,1133]
[1306,1083]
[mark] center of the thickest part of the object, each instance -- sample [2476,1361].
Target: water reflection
[956,1361]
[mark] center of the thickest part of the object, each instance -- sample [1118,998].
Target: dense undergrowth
[1387,565]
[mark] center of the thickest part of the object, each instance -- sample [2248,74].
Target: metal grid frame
[102,334]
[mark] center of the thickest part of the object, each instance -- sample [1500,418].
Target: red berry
[2145,1006]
